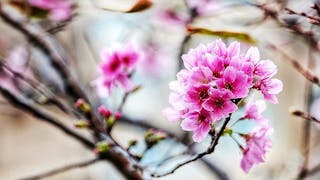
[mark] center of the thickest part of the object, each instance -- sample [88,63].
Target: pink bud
[79,103]
[105,112]
[117,115]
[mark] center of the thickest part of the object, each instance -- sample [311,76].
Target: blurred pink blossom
[257,145]
[116,68]
[59,10]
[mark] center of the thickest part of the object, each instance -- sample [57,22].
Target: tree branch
[29,107]
[309,75]
[304,115]
[62,169]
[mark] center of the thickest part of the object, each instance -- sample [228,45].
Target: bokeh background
[28,146]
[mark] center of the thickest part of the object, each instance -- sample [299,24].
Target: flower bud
[105,112]
[83,106]
[81,124]
[117,115]
[102,147]
[152,137]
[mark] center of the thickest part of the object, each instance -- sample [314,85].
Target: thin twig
[211,148]
[309,75]
[62,169]
[313,19]
[305,115]
[143,124]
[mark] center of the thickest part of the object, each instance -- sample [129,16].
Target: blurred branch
[50,97]
[309,75]
[120,158]
[62,169]
[304,115]
[312,19]
[28,107]
[214,142]
[308,36]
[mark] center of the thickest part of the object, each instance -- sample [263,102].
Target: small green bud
[102,147]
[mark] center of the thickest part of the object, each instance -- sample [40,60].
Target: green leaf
[241,36]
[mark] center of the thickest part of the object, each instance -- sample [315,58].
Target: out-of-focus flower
[59,10]
[172,17]
[16,61]
[205,7]
[116,68]
[257,145]
[214,78]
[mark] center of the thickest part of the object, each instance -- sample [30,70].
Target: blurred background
[28,146]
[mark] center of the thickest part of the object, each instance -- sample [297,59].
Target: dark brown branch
[29,107]
[309,75]
[211,148]
[62,169]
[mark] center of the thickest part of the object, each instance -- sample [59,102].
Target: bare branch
[309,75]
[304,115]
[313,19]
[62,169]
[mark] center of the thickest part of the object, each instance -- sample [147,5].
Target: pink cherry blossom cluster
[215,78]
[59,10]
[116,68]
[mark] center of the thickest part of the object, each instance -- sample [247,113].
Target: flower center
[228,86]
[203,94]
[219,102]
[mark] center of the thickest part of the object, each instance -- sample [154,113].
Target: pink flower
[234,81]
[215,76]
[257,145]
[59,10]
[196,95]
[219,103]
[199,123]
[227,54]
[254,110]
[17,62]
[269,89]
[115,69]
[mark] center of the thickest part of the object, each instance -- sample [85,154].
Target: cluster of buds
[109,117]
[153,137]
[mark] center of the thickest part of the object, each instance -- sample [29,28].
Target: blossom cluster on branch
[214,79]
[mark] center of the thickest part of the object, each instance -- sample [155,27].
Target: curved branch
[29,107]
[62,169]
[211,148]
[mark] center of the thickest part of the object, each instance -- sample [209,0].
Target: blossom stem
[210,149]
